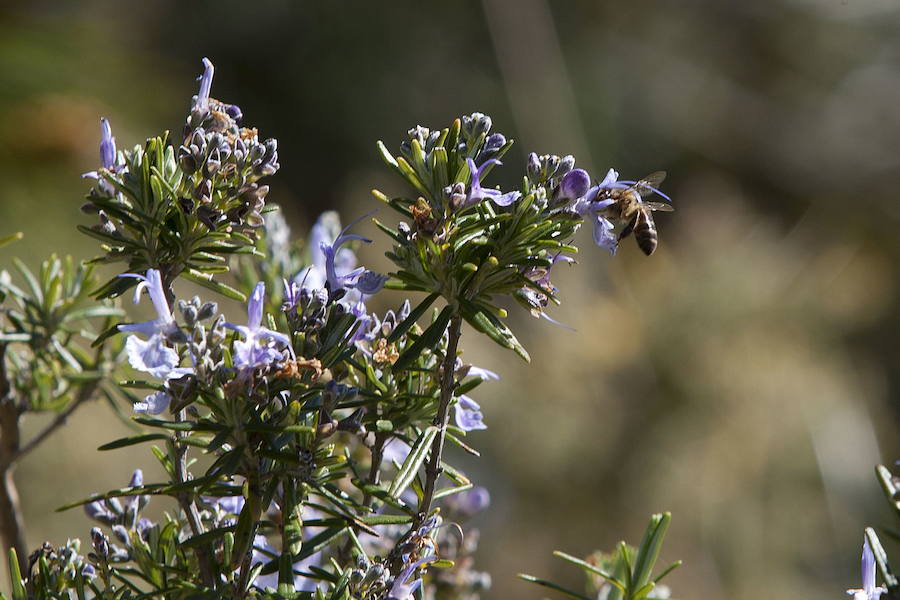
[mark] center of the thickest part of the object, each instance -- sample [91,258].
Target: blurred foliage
[752,358]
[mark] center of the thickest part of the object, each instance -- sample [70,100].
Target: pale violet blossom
[466,504]
[467,414]
[869,590]
[154,404]
[364,281]
[404,586]
[201,100]
[477,193]
[483,374]
[590,208]
[573,185]
[153,355]
[109,159]
[258,346]
[334,265]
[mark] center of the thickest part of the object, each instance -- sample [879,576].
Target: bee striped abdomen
[645,232]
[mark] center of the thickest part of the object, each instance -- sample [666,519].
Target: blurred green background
[743,377]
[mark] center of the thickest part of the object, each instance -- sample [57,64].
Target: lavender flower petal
[152,356]
[574,184]
[478,193]
[370,282]
[201,104]
[603,234]
[484,374]
[107,145]
[153,404]
[467,414]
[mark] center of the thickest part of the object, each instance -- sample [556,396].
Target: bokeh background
[743,377]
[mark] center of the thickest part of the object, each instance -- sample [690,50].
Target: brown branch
[12,526]
[433,469]
[84,394]
[189,506]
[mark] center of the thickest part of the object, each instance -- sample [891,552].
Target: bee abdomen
[645,233]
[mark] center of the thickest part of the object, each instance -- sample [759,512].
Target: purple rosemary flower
[484,374]
[590,208]
[249,353]
[478,193]
[574,185]
[365,281]
[201,100]
[152,355]
[108,157]
[869,591]
[107,145]
[335,265]
[468,414]
[154,404]
[360,329]
[370,282]
[468,503]
[403,588]
[603,234]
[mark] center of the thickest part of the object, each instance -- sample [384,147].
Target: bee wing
[661,206]
[650,184]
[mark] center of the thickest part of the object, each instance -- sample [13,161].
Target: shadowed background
[743,377]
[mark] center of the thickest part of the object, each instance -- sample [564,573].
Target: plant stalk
[189,506]
[433,469]
[12,526]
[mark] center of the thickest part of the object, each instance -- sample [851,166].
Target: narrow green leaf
[887,484]
[494,328]
[414,315]
[553,586]
[429,339]
[386,519]
[386,156]
[209,283]
[245,529]
[452,490]
[651,545]
[591,568]
[206,537]
[15,576]
[412,177]
[105,336]
[9,239]
[413,461]
[131,441]
[881,559]
[666,571]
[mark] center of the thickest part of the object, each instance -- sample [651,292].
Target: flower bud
[213,163]
[494,142]
[207,311]
[100,542]
[566,164]
[375,572]
[122,534]
[574,185]
[186,160]
[534,168]
[234,111]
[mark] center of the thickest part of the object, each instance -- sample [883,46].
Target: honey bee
[631,208]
